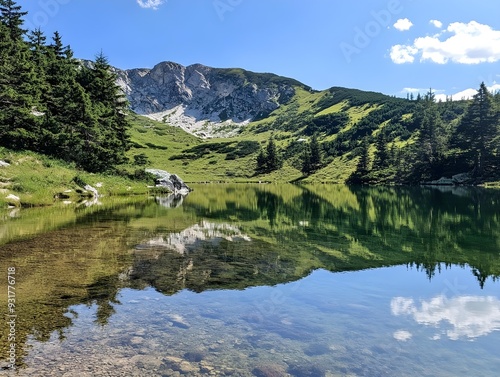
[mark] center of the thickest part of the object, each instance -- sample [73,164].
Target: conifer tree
[363,166]
[478,128]
[381,160]
[431,141]
[273,161]
[12,17]
[311,158]
[18,127]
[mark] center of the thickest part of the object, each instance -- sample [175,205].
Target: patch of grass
[37,180]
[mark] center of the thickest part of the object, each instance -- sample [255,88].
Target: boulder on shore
[171,181]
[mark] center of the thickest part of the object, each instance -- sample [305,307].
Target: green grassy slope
[40,180]
[340,117]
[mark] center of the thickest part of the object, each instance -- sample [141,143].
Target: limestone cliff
[203,100]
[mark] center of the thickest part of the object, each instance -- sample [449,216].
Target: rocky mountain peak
[203,100]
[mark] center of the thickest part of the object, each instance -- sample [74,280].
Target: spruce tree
[273,161]
[363,165]
[110,106]
[311,158]
[431,142]
[478,128]
[12,16]
[261,161]
[381,160]
[315,149]
[18,126]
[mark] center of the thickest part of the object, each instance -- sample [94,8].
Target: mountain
[243,110]
[204,100]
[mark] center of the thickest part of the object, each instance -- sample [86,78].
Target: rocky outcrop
[203,100]
[170,181]
[458,179]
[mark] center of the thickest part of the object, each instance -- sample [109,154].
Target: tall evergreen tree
[381,160]
[311,158]
[110,106]
[12,16]
[270,159]
[431,142]
[478,128]
[273,160]
[363,165]
[18,127]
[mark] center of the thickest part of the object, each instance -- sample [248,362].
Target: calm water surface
[257,280]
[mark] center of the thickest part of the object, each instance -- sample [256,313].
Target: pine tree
[36,43]
[18,127]
[12,17]
[261,161]
[110,108]
[306,161]
[268,160]
[363,167]
[316,160]
[430,145]
[273,161]
[311,158]
[478,128]
[381,160]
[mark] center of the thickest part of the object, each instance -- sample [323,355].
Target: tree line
[405,142]
[53,104]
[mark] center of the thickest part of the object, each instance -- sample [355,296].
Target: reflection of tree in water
[103,293]
[343,230]
[390,225]
[269,203]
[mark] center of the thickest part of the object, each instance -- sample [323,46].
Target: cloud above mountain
[150,4]
[403,24]
[461,43]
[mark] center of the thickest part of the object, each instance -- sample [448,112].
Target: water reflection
[468,316]
[243,247]
[190,238]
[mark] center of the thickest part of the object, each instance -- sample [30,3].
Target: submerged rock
[269,370]
[171,181]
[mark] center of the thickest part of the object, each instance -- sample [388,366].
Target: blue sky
[389,46]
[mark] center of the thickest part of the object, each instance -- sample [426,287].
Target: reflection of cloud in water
[402,335]
[469,316]
[190,237]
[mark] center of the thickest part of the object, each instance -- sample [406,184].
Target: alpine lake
[255,280]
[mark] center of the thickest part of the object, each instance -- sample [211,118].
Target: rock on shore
[171,181]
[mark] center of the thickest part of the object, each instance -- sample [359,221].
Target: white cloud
[402,335]
[471,43]
[467,93]
[465,316]
[436,23]
[401,54]
[403,24]
[150,4]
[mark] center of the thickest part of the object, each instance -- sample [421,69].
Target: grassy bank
[38,180]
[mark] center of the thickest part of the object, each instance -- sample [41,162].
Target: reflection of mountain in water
[190,238]
[465,316]
[282,234]
[205,256]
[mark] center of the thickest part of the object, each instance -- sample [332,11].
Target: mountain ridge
[204,100]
